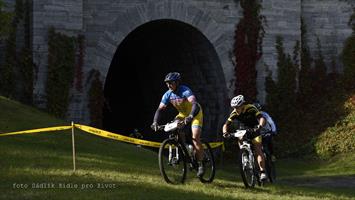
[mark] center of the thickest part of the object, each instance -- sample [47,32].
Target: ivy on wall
[305,78]
[316,104]
[96,99]
[61,65]
[247,48]
[282,96]
[18,64]
[5,21]
[26,59]
[7,69]
[348,57]
[80,63]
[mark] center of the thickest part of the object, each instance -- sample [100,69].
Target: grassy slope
[341,136]
[46,158]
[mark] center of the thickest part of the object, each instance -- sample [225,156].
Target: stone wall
[328,21]
[105,23]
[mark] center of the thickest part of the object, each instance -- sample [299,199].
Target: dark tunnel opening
[134,83]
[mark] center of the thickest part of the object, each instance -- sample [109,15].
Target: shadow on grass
[345,182]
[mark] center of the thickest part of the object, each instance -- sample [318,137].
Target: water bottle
[190,149]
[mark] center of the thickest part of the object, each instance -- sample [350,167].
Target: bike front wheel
[246,165]
[172,163]
[209,164]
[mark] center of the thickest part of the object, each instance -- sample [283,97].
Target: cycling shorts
[197,121]
[257,140]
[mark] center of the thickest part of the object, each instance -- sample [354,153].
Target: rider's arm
[270,121]
[230,119]
[161,106]
[262,121]
[225,128]
[195,107]
[259,116]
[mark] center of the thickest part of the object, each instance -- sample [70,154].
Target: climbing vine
[7,69]
[80,63]
[61,65]
[305,76]
[348,57]
[18,64]
[96,99]
[5,21]
[247,48]
[285,87]
[26,59]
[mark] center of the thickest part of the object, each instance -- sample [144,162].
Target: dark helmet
[172,76]
[258,106]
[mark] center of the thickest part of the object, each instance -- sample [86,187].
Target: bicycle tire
[172,165]
[209,164]
[247,167]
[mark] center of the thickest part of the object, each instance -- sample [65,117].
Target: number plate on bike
[240,133]
[171,126]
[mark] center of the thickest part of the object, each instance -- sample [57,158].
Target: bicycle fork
[173,159]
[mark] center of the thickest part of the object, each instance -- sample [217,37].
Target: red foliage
[247,52]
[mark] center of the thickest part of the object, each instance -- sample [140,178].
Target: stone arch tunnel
[134,83]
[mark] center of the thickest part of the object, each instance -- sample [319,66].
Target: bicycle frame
[175,134]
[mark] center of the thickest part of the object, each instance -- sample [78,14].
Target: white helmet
[237,101]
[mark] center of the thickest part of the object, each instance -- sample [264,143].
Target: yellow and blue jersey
[179,100]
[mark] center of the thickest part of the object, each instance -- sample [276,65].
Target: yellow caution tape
[123,138]
[115,136]
[57,128]
[215,144]
[102,133]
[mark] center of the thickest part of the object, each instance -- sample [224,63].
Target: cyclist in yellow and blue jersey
[251,117]
[182,98]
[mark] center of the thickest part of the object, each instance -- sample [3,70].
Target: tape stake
[73,144]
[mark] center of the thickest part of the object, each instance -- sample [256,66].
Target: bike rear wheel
[270,168]
[209,164]
[246,164]
[172,163]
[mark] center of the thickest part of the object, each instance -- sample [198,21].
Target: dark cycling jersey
[248,116]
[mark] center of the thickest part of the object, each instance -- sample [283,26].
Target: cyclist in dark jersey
[251,117]
[182,98]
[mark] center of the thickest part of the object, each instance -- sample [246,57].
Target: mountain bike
[175,155]
[249,168]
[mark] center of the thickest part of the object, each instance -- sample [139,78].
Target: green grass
[130,172]
[340,137]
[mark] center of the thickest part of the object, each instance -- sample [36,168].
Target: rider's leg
[196,129]
[261,161]
[260,156]
[196,133]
